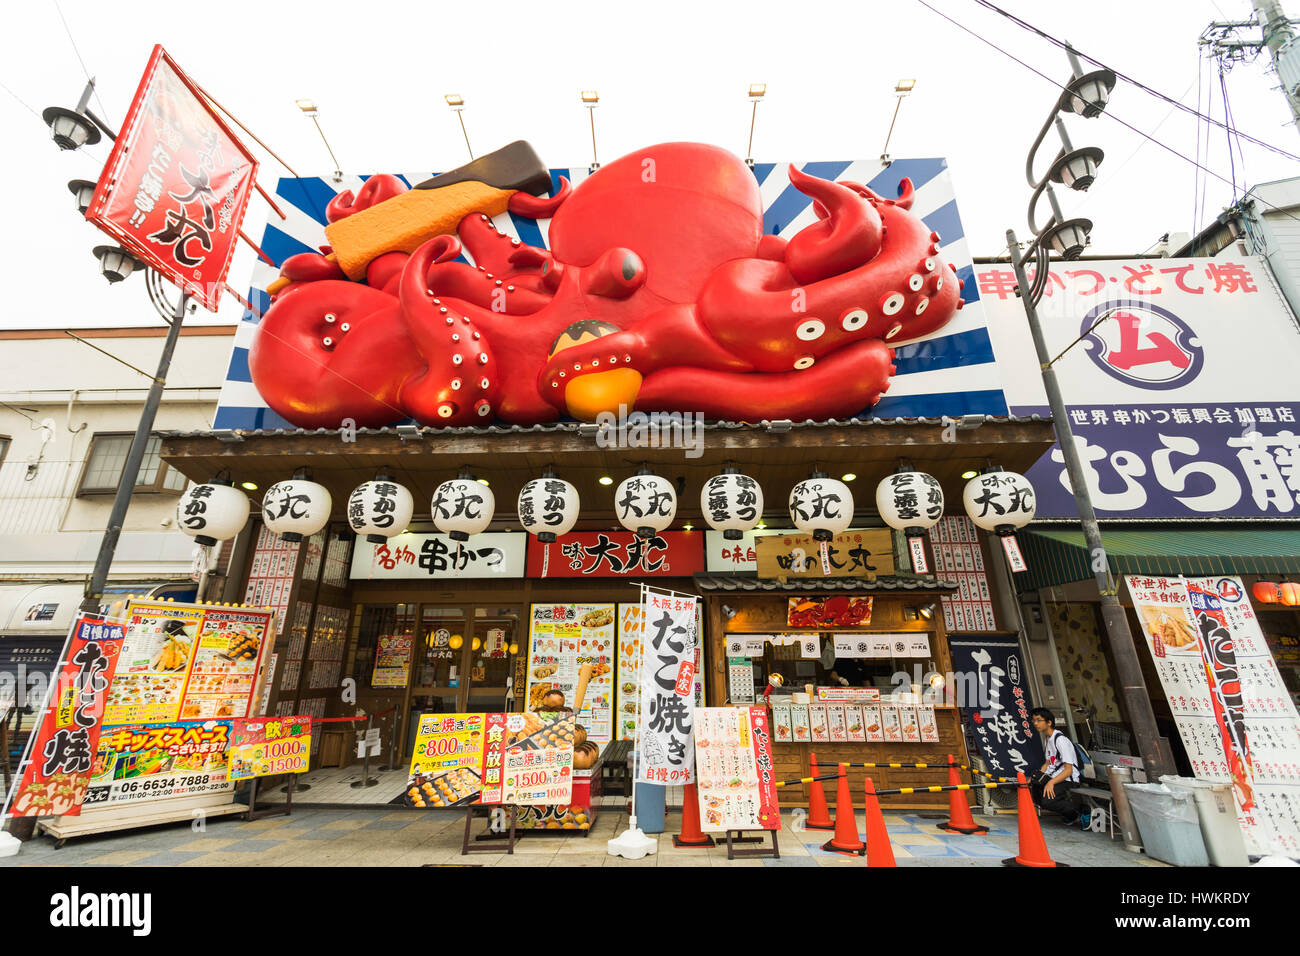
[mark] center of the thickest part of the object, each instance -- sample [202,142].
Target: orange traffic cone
[959,818]
[879,850]
[845,839]
[819,815]
[1033,848]
[691,835]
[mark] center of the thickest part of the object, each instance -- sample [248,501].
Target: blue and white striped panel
[952,372]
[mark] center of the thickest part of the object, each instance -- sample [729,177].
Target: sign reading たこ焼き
[667,695]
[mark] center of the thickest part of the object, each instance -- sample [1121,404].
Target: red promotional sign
[61,761]
[176,185]
[769,814]
[615,554]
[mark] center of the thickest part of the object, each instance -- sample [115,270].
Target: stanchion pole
[366,780]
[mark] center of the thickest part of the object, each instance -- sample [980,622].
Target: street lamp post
[1087,95]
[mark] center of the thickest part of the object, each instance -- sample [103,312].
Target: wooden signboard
[852,554]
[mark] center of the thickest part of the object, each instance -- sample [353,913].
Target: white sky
[665,71]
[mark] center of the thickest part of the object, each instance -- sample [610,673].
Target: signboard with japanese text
[437,556]
[176,184]
[187,662]
[138,762]
[612,554]
[1177,413]
[534,753]
[999,715]
[728,556]
[562,640]
[392,660]
[1234,716]
[447,763]
[959,557]
[269,746]
[631,632]
[667,689]
[853,554]
[57,777]
[733,768]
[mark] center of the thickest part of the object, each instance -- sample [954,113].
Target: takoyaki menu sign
[150,761]
[733,769]
[563,640]
[534,756]
[187,662]
[447,763]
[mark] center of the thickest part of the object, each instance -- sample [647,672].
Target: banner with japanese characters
[1177,412]
[176,184]
[534,753]
[571,650]
[733,769]
[857,554]
[269,746]
[991,674]
[139,762]
[601,554]
[392,660]
[631,633]
[667,695]
[57,776]
[1237,723]
[423,557]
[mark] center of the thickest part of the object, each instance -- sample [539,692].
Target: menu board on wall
[392,660]
[733,768]
[1233,713]
[151,761]
[185,661]
[270,577]
[958,557]
[562,639]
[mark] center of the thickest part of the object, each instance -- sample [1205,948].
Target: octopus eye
[804,361]
[915,282]
[892,303]
[811,329]
[446,410]
[456,359]
[455,384]
[922,306]
[854,320]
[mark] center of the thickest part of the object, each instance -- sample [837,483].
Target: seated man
[1059,774]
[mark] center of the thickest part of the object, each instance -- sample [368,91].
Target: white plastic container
[1218,816]
[1168,823]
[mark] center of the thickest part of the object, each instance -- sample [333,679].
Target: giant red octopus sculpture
[659,272]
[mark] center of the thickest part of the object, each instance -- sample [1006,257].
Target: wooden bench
[614,767]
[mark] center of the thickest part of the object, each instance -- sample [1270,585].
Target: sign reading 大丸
[1176,410]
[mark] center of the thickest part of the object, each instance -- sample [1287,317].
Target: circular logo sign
[1142,344]
[1228,590]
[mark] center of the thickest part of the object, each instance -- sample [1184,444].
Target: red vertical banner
[176,184]
[61,760]
[769,812]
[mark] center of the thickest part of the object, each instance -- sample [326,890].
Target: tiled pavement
[389,837]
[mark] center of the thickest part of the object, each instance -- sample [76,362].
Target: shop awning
[1059,557]
[729,583]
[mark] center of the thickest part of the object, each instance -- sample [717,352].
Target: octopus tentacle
[535,207]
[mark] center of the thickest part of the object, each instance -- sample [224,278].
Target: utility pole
[1276,34]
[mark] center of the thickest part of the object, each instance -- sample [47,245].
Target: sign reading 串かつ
[437,556]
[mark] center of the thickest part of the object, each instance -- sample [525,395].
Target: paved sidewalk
[387,837]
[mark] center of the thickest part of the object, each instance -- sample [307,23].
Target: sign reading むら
[1176,410]
[176,184]
[854,554]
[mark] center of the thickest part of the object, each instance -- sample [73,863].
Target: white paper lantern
[548,507]
[1000,501]
[732,503]
[645,503]
[462,507]
[910,501]
[821,506]
[212,512]
[296,508]
[380,509]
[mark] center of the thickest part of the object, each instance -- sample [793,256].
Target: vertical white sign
[667,689]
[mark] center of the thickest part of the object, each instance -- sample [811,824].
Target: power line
[76,50]
[1128,79]
[1108,113]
